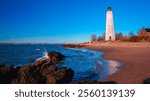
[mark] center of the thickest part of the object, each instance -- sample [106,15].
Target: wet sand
[134,56]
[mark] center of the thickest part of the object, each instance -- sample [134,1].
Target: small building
[144,32]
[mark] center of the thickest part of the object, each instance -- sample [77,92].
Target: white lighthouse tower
[110,34]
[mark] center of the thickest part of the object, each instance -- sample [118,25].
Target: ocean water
[87,64]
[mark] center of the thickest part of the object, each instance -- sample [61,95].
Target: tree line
[119,36]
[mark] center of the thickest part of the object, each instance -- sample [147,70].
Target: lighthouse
[110,33]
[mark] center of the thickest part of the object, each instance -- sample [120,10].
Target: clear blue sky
[63,21]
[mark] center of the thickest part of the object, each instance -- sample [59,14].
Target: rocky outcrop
[52,58]
[55,57]
[43,71]
[74,45]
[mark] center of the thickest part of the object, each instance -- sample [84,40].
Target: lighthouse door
[109,37]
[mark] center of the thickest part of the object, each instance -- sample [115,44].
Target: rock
[53,74]
[24,75]
[74,45]
[45,71]
[30,74]
[50,79]
[50,74]
[1,66]
[40,62]
[146,81]
[8,74]
[52,58]
[55,57]
[64,75]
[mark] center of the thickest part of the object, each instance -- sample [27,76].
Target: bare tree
[131,34]
[93,38]
[119,36]
[101,37]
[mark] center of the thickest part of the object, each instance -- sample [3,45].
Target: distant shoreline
[31,43]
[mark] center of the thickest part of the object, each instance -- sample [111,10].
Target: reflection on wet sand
[106,68]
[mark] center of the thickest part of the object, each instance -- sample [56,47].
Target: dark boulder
[64,75]
[52,58]
[50,75]
[45,71]
[50,79]
[55,57]
[28,75]
[8,74]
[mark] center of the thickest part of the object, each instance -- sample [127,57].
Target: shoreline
[46,70]
[133,56]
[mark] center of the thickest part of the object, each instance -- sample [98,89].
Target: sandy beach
[135,58]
